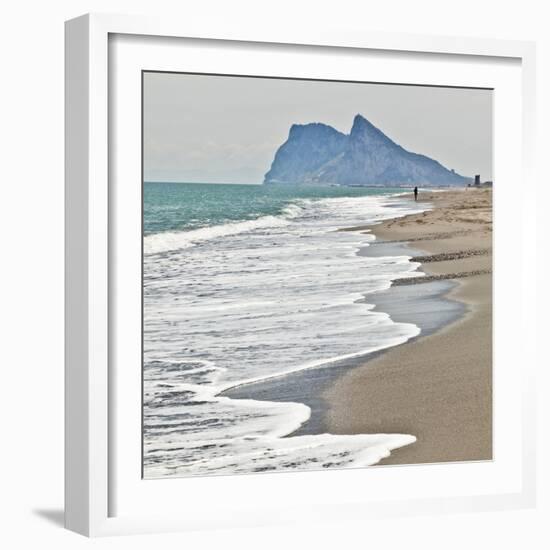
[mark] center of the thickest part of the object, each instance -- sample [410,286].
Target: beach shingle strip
[445,256]
[425,237]
[441,277]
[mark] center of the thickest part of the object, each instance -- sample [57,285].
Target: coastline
[420,387]
[438,386]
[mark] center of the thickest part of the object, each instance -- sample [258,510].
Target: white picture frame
[92,441]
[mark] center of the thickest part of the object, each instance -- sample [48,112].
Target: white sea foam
[175,240]
[273,296]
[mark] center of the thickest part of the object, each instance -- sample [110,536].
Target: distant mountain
[317,153]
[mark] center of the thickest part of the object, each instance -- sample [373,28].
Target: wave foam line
[415,331]
[175,240]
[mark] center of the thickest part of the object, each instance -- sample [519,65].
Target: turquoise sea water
[244,283]
[184,206]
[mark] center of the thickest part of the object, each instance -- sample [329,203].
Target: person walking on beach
[416,193]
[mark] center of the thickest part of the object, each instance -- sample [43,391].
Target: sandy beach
[437,387]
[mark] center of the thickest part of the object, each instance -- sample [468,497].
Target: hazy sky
[226,129]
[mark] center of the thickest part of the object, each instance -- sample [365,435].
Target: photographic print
[317,274]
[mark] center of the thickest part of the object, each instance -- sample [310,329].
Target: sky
[225,129]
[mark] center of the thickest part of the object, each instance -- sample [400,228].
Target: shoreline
[432,311]
[400,389]
[309,385]
[437,386]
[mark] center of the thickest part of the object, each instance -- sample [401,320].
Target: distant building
[477,180]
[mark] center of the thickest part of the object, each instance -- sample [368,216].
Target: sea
[243,283]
